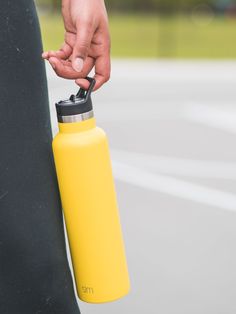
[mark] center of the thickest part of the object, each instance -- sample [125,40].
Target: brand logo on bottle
[88,290]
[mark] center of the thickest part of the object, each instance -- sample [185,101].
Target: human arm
[86,45]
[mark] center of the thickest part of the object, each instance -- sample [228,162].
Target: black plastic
[77,104]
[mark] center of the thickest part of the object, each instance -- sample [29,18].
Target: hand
[87,43]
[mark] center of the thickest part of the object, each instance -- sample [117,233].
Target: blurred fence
[158,28]
[163,6]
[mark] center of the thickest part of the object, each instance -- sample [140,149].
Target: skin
[86,45]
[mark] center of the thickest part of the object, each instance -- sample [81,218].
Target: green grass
[152,36]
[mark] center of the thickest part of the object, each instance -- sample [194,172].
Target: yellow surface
[91,213]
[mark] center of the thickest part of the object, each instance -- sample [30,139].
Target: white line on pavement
[178,166]
[220,118]
[174,187]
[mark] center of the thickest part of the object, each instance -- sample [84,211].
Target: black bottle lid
[77,104]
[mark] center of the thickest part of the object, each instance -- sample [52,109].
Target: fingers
[83,83]
[100,78]
[83,50]
[102,70]
[102,73]
[47,54]
[64,69]
[102,59]
[63,53]
[82,43]
[103,62]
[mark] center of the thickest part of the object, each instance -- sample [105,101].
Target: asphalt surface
[171,127]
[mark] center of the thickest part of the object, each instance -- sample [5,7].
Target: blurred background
[169,113]
[158,28]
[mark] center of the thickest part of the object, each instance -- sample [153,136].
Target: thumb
[83,40]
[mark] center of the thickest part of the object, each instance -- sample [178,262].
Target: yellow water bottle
[89,202]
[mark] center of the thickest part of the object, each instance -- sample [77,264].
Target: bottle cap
[78,107]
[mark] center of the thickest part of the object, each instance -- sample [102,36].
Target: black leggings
[34,272]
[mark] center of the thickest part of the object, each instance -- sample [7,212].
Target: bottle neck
[76,127]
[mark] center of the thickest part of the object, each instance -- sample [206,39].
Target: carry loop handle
[82,93]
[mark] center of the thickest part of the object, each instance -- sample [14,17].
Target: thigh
[34,272]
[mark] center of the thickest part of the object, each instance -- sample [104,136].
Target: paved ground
[172,128]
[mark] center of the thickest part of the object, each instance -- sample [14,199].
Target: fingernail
[78,64]
[45,54]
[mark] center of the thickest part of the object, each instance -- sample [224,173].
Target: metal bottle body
[91,213]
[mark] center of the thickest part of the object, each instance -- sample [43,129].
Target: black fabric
[34,272]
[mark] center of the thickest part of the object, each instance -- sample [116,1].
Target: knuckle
[81,51]
[59,74]
[86,22]
[107,78]
[82,45]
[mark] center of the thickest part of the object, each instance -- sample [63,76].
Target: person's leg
[34,272]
